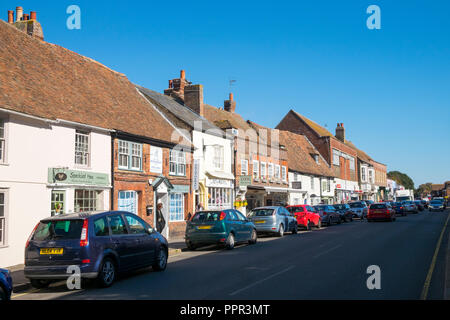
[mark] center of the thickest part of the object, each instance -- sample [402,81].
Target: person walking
[160,221]
[199,207]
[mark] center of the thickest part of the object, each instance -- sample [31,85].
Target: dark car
[328,214]
[344,211]
[226,227]
[6,285]
[419,205]
[273,220]
[398,207]
[101,244]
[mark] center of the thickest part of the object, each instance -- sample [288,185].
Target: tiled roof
[299,151]
[437,187]
[321,131]
[48,81]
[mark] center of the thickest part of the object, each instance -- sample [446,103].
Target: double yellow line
[427,283]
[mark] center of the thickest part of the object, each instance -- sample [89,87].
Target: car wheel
[254,237]
[230,242]
[3,296]
[161,262]
[319,224]
[39,284]
[281,230]
[190,246]
[295,230]
[107,273]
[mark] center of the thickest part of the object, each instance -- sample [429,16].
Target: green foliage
[424,189]
[401,178]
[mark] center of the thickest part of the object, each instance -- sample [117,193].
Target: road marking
[23,294]
[326,251]
[262,280]
[427,283]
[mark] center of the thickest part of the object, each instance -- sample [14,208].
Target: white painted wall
[33,146]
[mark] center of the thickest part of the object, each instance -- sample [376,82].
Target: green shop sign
[65,176]
[245,181]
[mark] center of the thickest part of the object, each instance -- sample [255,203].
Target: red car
[306,216]
[380,211]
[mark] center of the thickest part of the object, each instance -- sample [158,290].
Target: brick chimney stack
[230,105]
[340,132]
[19,13]
[33,15]
[25,17]
[193,98]
[176,86]
[10,16]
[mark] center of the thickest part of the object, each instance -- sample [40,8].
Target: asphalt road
[326,264]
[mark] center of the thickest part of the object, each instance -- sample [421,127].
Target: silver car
[409,206]
[359,209]
[275,219]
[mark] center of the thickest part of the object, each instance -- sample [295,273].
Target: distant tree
[401,178]
[423,189]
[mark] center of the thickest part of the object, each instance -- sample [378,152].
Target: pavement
[330,263]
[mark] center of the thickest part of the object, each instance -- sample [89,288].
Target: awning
[220,175]
[157,182]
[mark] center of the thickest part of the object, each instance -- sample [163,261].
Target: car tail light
[222,216]
[86,261]
[84,234]
[32,232]
[401,207]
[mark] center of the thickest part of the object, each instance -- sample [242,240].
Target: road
[321,264]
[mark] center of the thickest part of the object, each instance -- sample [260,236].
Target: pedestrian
[199,207]
[189,216]
[160,221]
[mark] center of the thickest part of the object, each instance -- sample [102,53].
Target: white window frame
[352,163]
[263,170]
[255,169]
[82,148]
[128,202]
[284,173]
[312,183]
[336,155]
[4,220]
[277,172]
[363,174]
[3,140]
[174,213]
[177,163]
[93,195]
[130,150]
[244,167]
[218,157]
[270,170]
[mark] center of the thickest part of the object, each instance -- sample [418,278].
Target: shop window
[87,200]
[176,207]
[219,198]
[82,148]
[58,202]
[128,201]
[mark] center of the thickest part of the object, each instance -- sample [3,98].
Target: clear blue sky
[390,87]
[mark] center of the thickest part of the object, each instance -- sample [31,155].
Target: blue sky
[389,87]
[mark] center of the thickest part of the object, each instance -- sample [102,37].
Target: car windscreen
[295,209]
[206,216]
[58,230]
[436,202]
[340,206]
[356,205]
[378,206]
[261,212]
[397,203]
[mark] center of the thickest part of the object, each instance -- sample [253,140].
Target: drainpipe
[112,171]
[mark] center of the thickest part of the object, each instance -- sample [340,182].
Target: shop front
[346,191]
[220,192]
[276,196]
[78,191]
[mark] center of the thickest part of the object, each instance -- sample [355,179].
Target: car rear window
[261,212]
[378,206]
[58,230]
[296,209]
[356,205]
[205,216]
[435,202]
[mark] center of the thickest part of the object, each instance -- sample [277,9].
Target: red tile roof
[48,81]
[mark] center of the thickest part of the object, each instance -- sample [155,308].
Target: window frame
[177,161]
[263,173]
[4,220]
[85,151]
[270,170]
[122,144]
[218,157]
[284,173]
[178,216]
[3,140]
[97,200]
[277,173]
[255,172]
[135,198]
[244,164]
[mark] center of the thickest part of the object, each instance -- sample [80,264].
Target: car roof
[268,207]
[80,215]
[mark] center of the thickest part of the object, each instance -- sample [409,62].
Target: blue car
[6,285]
[100,244]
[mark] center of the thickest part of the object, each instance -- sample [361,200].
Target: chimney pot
[170,84]
[19,13]
[33,15]
[182,74]
[10,16]
[231,96]
[230,105]
[25,17]
[340,132]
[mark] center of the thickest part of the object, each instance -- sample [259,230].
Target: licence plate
[52,251]
[205,227]
[260,221]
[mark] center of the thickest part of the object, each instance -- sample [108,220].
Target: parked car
[344,211]
[274,219]
[359,209]
[306,216]
[398,207]
[6,285]
[102,244]
[436,205]
[368,202]
[424,203]
[409,206]
[227,227]
[380,211]
[328,214]
[419,205]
